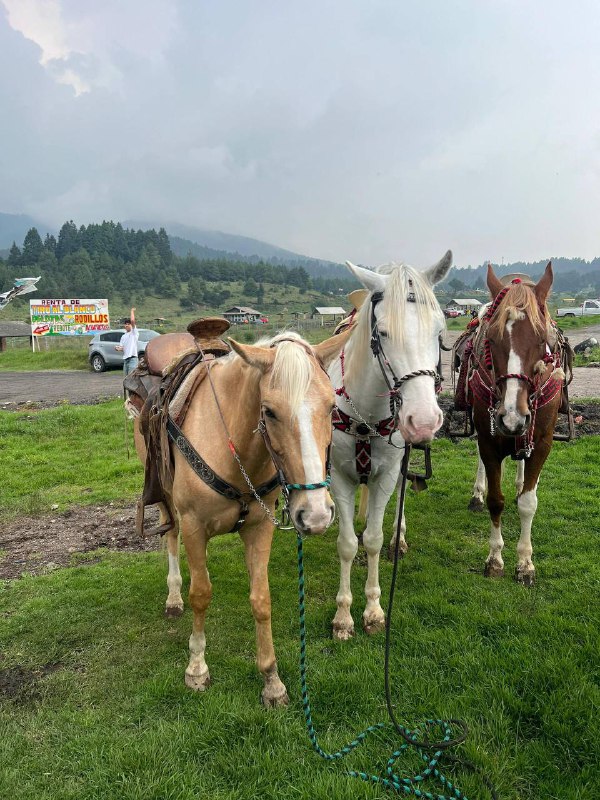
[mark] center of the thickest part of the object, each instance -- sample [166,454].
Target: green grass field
[108,715]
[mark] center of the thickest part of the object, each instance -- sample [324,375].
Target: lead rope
[406,786]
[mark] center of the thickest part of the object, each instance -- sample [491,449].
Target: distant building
[465,304]
[13,330]
[329,314]
[237,314]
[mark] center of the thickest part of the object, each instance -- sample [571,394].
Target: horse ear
[494,284]
[329,350]
[543,286]
[260,357]
[369,279]
[439,271]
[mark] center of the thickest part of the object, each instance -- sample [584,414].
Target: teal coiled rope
[406,786]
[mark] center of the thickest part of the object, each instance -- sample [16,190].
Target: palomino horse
[278,388]
[386,380]
[514,386]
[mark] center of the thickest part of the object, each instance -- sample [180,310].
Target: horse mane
[520,301]
[404,281]
[293,368]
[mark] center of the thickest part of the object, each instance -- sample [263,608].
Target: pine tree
[32,248]
[14,256]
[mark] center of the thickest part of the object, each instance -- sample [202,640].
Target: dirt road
[52,387]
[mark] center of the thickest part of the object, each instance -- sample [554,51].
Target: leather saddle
[159,378]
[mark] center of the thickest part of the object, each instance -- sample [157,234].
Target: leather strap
[214,481]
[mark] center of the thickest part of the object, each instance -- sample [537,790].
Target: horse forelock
[519,302]
[293,369]
[403,282]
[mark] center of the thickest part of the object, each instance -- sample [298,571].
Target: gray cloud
[340,130]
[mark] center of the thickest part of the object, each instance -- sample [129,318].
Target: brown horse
[278,388]
[514,387]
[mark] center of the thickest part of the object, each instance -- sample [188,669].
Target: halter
[487,387]
[384,364]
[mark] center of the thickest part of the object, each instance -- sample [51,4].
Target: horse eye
[383,333]
[269,413]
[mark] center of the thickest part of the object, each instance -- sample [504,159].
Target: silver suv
[102,352]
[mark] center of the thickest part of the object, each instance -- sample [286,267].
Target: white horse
[385,381]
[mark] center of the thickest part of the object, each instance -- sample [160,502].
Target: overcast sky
[372,131]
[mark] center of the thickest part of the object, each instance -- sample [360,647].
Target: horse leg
[520,477]
[477,498]
[379,495]
[403,545]
[257,543]
[494,564]
[347,545]
[197,676]
[527,504]
[174,604]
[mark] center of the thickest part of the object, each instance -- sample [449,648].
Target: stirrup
[159,530]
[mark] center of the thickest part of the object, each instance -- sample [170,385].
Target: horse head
[296,402]
[402,321]
[518,336]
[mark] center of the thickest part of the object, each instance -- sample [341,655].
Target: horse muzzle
[313,515]
[512,423]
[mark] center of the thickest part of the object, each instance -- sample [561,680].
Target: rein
[411,738]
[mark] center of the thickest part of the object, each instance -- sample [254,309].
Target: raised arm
[133,317]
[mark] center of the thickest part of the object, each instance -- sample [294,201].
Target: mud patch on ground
[586,417]
[20,683]
[35,545]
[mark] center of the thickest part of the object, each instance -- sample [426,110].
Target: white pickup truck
[587,307]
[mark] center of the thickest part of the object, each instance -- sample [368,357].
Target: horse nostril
[299,519]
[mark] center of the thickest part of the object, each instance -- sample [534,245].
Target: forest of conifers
[107,260]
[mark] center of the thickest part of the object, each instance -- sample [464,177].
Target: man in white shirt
[129,344]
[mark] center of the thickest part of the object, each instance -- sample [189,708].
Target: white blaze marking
[311,458]
[512,384]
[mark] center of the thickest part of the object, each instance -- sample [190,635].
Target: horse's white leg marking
[494,563]
[174,604]
[520,476]
[477,502]
[527,504]
[196,674]
[347,545]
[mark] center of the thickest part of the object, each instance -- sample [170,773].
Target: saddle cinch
[162,387]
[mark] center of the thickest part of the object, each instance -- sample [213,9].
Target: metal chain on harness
[412,738]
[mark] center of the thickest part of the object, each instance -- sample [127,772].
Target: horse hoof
[342,634]
[371,628]
[525,578]
[173,611]
[198,683]
[493,570]
[402,550]
[274,701]
[475,504]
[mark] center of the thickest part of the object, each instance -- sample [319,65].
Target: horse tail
[363,503]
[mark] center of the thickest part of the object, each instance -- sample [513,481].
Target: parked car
[587,307]
[452,312]
[102,353]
